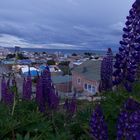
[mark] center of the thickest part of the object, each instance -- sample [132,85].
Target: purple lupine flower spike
[39,95]
[24,88]
[3,88]
[98,126]
[53,101]
[127,65]
[9,95]
[71,105]
[107,71]
[45,92]
[27,87]
[128,126]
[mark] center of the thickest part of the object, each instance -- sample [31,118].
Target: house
[25,71]
[77,62]
[54,69]
[63,84]
[86,77]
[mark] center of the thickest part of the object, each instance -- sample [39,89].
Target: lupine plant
[3,88]
[98,126]
[106,72]
[9,96]
[27,87]
[128,58]
[70,105]
[45,92]
[39,95]
[129,121]
[112,123]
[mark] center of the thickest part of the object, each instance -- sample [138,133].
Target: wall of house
[79,83]
[64,87]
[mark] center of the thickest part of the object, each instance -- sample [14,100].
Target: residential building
[86,77]
[63,84]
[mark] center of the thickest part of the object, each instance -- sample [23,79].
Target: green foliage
[51,62]
[111,107]
[64,66]
[87,53]
[9,56]
[19,56]
[113,103]
[26,119]
[79,126]
[64,63]
[74,54]
[27,123]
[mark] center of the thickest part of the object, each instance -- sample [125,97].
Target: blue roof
[43,67]
[32,72]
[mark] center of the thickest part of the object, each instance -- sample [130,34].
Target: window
[85,86]
[93,89]
[78,80]
[89,88]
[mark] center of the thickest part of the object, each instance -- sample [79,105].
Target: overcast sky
[93,24]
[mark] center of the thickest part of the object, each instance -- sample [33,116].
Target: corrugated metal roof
[89,69]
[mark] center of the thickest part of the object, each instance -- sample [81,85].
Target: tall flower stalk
[45,92]
[39,95]
[128,57]
[98,126]
[27,87]
[128,126]
[106,72]
[3,88]
[9,94]
[70,106]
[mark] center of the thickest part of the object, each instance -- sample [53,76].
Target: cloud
[11,41]
[84,23]
[117,26]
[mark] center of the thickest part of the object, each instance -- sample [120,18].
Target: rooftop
[89,69]
[61,79]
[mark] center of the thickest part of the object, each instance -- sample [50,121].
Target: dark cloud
[87,23]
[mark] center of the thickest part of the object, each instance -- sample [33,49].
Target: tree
[74,54]
[51,62]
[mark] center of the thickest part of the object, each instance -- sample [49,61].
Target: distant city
[63,64]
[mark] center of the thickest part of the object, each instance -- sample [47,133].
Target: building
[86,77]
[25,71]
[63,84]
[55,71]
[17,49]
[3,52]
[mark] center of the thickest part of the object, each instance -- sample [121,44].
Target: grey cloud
[79,22]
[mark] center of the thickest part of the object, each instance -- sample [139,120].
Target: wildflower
[128,126]
[106,72]
[128,57]
[98,126]
[27,88]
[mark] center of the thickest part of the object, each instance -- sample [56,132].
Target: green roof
[61,79]
[89,69]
